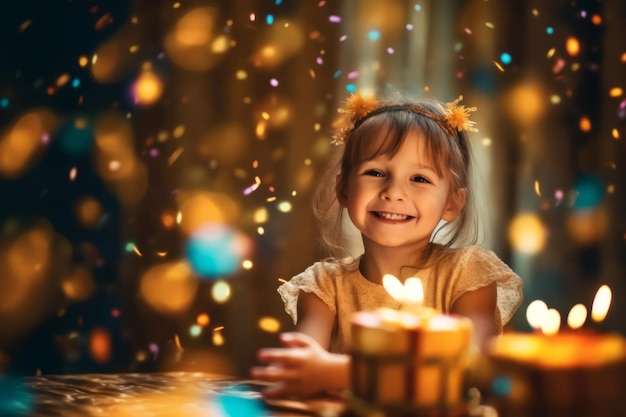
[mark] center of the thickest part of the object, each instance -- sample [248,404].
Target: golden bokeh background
[157,160]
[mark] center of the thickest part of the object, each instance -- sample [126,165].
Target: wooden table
[157,394]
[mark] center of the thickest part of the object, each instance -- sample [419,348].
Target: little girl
[404,181]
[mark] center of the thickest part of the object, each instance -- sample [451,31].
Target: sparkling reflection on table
[154,394]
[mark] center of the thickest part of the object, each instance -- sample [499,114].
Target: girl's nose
[393,191]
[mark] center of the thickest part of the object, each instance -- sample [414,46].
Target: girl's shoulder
[333,266]
[465,253]
[467,258]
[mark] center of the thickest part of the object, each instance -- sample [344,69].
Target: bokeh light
[215,250]
[203,319]
[527,233]
[169,288]
[589,191]
[601,303]
[277,43]
[33,260]
[526,103]
[220,291]
[88,211]
[198,209]
[552,322]
[577,316]
[269,324]
[100,345]
[147,88]
[587,227]
[194,44]
[116,160]
[21,143]
[536,313]
[79,285]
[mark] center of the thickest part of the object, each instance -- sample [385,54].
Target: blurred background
[157,159]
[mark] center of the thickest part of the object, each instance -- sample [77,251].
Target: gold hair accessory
[455,118]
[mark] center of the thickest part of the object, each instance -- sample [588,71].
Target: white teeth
[392,216]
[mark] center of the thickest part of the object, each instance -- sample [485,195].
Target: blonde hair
[451,155]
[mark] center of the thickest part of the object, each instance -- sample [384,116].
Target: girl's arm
[480,306]
[315,318]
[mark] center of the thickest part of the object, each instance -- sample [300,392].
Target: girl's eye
[373,173]
[419,178]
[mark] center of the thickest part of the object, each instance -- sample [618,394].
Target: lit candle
[412,356]
[561,371]
[577,316]
[536,313]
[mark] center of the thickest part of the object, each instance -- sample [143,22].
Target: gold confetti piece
[62,80]
[550,53]
[616,92]
[179,131]
[174,156]
[177,342]
[537,189]
[282,280]
[615,133]
[311,73]
[497,64]
[260,130]
[136,250]
[218,329]
[490,25]
[105,20]
[218,339]
[25,25]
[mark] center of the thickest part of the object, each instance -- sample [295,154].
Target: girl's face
[397,201]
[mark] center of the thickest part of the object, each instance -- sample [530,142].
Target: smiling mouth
[392,216]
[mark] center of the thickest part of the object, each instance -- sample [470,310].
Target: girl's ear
[455,204]
[340,191]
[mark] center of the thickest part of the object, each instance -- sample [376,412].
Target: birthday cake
[409,364]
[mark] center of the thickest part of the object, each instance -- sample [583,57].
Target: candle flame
[552,322]
[536,313]
[393,286]
[414,290]
[577,316]
[411,291]
[601,303]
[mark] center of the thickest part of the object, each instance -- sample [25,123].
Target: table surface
[158,394]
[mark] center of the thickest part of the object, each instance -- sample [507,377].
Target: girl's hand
[302,368]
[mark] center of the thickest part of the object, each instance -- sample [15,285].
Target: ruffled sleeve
[318,279]
[481,267]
